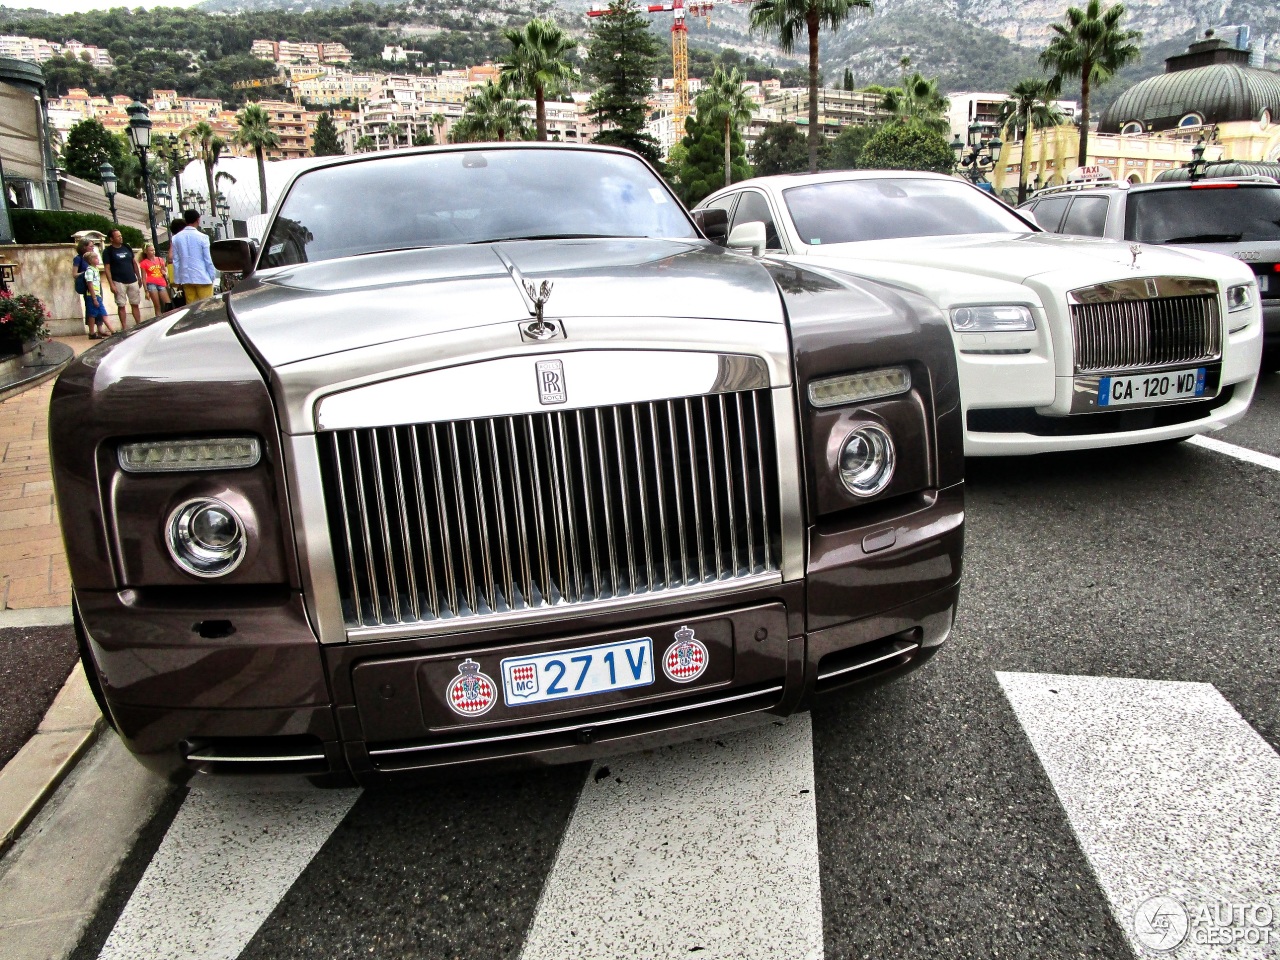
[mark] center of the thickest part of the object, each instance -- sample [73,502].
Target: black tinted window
[472,196]
[845,211]
[1087,217]
[1049,212]
[1204,214]
[754,207]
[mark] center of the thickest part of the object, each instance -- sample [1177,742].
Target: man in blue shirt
[192,265]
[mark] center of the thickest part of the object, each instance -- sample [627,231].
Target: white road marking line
[707,849]
[222,867]
[1170,793]
[1231,450]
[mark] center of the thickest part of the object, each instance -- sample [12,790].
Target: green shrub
[57,226]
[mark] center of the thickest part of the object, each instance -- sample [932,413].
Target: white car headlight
[992,318]
[1239,297]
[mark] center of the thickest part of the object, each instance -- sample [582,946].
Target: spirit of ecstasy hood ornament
[539,329]
[1134,250]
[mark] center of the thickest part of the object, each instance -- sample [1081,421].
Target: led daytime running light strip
[859,387]
[173,456]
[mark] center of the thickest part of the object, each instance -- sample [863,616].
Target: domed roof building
[1209,86]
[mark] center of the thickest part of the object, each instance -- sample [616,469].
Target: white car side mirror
[748,236]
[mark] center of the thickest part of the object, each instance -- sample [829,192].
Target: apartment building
[288,51]
[38,50]
[836,108]
[336,87]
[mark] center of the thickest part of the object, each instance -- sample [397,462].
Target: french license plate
[577,673]
[1151,387]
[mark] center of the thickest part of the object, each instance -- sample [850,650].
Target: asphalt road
[977,808]
[34,663]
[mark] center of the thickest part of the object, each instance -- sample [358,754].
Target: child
[95,311]
[153,277]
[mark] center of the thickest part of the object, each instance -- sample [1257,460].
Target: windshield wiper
[1206,238]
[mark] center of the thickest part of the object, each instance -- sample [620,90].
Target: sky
[75,6]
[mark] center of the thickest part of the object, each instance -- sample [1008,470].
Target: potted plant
[22,322]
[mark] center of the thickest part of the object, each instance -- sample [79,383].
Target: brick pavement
[33,569]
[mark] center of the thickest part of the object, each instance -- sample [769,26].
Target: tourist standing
[154,279]
[95,311]
[192,266]
[79,264]
[122,265]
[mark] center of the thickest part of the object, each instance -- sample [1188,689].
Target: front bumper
[1017,405]
[187,696]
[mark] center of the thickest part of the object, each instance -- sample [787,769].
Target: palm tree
[918,103]
[255,132]
[394,132]
[209,147]
[537,65]
[1092,46]
[785,18]
[491,115]
[365,144]
[437,126]
[725,101]
[1030,107]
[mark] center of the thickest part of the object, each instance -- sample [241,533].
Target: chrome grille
[1132,334]
[469,519]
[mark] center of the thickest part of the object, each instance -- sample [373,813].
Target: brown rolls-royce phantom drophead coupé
[492,457]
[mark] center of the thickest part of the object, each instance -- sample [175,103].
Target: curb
[68,729]
[43,372]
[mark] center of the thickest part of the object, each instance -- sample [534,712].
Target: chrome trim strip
[205,758]
[405,540]
[587,722]
[906,648]
[564,610]
[311,535]
[786,440]
[1143,288]
[507,385]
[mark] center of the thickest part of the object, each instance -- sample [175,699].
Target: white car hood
[1016,258]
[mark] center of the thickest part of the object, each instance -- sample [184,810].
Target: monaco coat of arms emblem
[471,693]
[686,659]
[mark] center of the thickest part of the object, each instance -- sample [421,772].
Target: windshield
[472,196]
[1214,214]
[846,211]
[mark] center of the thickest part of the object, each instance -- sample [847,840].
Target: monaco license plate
[577,673]
[1151,387]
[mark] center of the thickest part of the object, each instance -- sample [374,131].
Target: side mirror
[714,224]
[748,236]
[233,256]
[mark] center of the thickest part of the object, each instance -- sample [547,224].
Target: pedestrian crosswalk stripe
[1240,453]
[1174,799]
[225,862]
[707,849]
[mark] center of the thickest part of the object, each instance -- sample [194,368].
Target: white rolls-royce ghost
[1062,342]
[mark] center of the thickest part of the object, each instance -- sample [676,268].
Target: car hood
[1019,257]
[297,313]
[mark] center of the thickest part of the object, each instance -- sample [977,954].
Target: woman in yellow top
[153,278]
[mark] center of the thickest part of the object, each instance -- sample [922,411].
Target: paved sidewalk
[33,569]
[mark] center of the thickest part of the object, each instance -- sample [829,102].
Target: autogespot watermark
[1163,923]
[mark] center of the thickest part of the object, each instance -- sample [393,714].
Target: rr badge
[686,659]
[551,388]
[471,693]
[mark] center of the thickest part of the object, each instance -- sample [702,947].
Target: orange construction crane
[679,43]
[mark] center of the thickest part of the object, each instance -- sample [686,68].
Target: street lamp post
[223,208]
[140,137]
[108,175]
[978,157]
[1198,162]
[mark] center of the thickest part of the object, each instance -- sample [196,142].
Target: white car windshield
[847,211]
[469,196]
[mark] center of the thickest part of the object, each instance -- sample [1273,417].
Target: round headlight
[866,461]
[206,538]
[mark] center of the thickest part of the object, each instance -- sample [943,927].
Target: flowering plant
[22,317]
